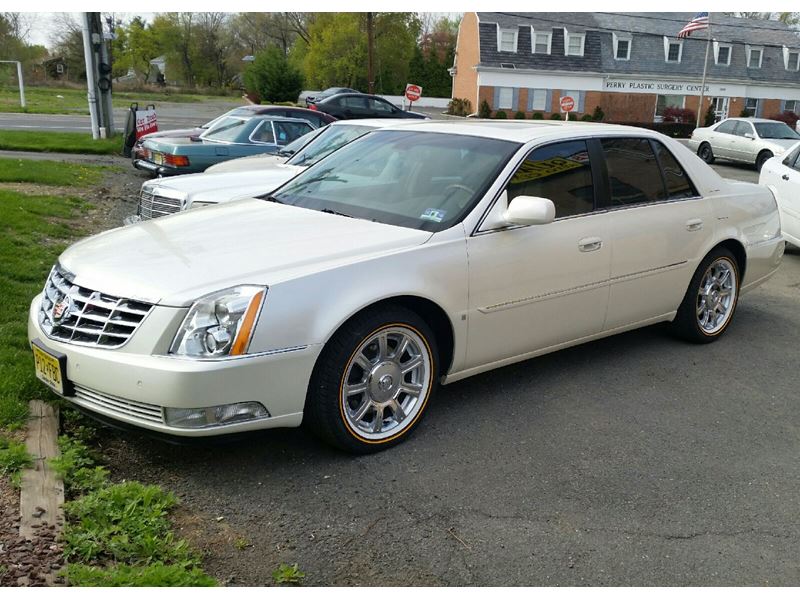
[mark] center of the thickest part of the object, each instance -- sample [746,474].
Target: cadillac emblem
[62,309]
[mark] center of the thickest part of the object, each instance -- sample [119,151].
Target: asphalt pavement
[634,460]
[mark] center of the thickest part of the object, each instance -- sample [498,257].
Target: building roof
[647,32]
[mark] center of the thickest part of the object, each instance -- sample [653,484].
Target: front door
[538,286]
[720,105]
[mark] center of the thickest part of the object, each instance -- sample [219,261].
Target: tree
[67,43]
[336,51]
[272,77]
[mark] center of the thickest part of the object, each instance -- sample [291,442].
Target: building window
[622,47]
[751,106]
[791,59]
[505,98]
[754,57]
[574,43]
[538,99]
[722,54]
[541,43]
[664,102]
[791,106]
[507,40]
[673,50]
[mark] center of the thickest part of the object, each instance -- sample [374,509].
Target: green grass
[147,576]
[45,100]
[59,141]
[76,467]
[288,575]
[49,172]
[33,232]
[13,458]
[124,532]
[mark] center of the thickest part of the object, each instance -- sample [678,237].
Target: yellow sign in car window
[531,169]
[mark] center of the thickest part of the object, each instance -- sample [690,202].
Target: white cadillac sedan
[782,175]
[412,257]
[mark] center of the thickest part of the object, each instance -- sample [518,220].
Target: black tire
[687,323]
[763,157]
[326,400]
[706,153]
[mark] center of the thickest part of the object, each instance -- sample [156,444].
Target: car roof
[753,119]
[375,123]
[275,118]
[519,131]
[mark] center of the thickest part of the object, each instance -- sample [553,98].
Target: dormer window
[574,43]
[507,40]
[755,54]
[722,54]
[673,50]
[622,46]
[541,42]
[791,59]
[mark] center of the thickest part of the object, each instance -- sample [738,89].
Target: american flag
[700,21]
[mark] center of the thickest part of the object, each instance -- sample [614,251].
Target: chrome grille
[152,205]
[128,408]
[75,314]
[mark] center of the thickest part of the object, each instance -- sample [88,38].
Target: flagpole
[705,69]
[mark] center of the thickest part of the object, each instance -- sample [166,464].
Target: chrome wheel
[716,297]
[386,382]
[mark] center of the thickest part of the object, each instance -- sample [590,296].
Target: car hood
[248,163]
[779,145]
[216,187]
[174,260]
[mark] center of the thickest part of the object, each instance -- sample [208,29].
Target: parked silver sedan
[747,140]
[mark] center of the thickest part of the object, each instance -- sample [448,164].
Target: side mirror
[530,210]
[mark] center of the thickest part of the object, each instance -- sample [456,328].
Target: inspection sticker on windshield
[433,214]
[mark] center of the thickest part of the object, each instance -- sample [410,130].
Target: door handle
[694,224]
[590,244]
[785,177]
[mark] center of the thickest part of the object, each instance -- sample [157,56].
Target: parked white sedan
[746,140]
[782,176]
[411,257]
[249,176]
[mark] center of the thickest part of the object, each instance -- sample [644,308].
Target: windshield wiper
[333,212]
[271,198]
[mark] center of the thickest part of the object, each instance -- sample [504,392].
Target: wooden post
[370,53]
[41,498]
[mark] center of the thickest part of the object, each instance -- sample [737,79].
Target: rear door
[744,147]
[658,224]
[355,107]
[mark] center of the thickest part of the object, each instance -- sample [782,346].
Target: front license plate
[158,158]
[51,369]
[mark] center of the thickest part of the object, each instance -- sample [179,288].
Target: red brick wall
[465,82]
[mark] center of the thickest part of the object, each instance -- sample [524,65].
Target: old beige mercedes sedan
[412,257]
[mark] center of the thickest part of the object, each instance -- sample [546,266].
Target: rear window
[726,127]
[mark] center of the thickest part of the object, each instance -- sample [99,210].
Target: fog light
[214,416]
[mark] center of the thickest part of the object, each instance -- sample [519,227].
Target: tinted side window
[632,171]
[263,133]
[726,127]
[793,159]
[353,102]
[560,172]
[379,106]
[677,182]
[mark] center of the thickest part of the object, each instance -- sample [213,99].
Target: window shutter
[759,109]
[548,102]
[581,98]
[529,107]
[783,106]
[515,99]
[496,100]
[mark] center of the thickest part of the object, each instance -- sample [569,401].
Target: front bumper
[133,388]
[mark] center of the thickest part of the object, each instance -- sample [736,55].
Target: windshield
[427,181]
[776,131]
[227,130]
[290,149]
[333,139]
[236,112]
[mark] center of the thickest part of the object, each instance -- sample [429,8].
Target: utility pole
[370,54]
[98,76]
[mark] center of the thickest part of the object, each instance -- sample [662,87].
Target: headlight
[220,324]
